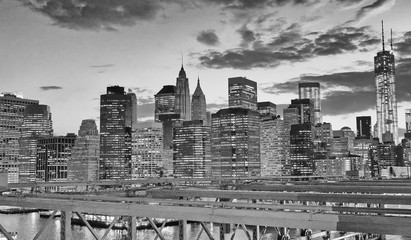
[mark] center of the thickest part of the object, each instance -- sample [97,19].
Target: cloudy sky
[66,52]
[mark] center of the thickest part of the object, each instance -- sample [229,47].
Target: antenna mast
[392,49]
[382,28]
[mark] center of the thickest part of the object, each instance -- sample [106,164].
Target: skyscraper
[118,115]
[242,92]
[199,105]
[85,154]
[235,143]
[301,150]
[364,127]
[37,124]
[305,110]
[311,90]
[274,147]
[182,96]
[387,119]
[192,153]
[165,112]
[12,110]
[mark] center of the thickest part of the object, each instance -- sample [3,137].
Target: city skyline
[52,51]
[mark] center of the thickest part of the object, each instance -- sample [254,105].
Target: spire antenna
[382,28]
[392,49]
[182,59]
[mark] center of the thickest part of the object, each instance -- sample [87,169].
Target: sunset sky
[66,52]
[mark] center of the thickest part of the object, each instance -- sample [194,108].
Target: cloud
[145,100]
[208,37]
[96,15]
[253,4]
[102,66]
[247,36]
[376,7]
[290,47]
[348,92]
[403,47]
[48,88]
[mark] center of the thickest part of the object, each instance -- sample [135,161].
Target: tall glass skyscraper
[364,127]
[387,119]
[235,143]
[118,117]
[311,90]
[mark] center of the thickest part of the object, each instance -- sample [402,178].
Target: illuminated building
[301,150]
[118,116]
[12,110]
[242,93]
[191,145]
[37,123]
[148,147]
[274,147]
[235,143]
[305,110]
[311,90]
[387,119]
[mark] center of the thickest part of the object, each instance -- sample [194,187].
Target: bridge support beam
[182,225]
[65,232]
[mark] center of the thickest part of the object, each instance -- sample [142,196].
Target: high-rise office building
[323,140]
[12,108]
[311,90]
[242,93]
[182,96]
[301,150]
[148,147]
[383,156]
[274,147]
[364,127]
[267,110]
[85,154]
[199,105]
[118,115]
[192,153]
[235,143]
[305,110]
[37,123]
[53,155]
[387,119]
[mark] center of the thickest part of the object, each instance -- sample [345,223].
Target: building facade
[192,150]
[37,123]
[53,155]
[235,143]
[301,150]
[274,147]
[118,116]
[364,127]
[12,109]
[148,148]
